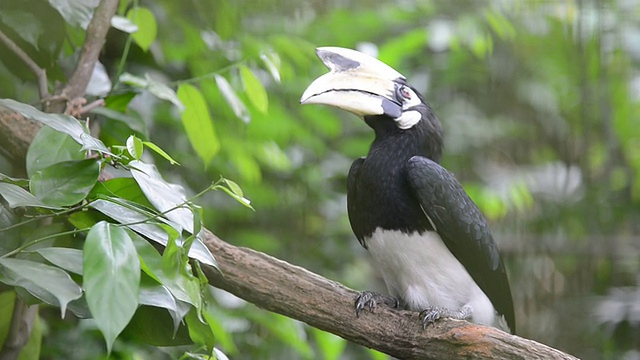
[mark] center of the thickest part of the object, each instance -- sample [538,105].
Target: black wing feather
[352,191]
[463,229]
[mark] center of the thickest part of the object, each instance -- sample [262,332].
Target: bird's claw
[370,300]
[429,316]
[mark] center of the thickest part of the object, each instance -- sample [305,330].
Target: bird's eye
[405,93]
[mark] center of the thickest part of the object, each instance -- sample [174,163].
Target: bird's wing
[352,191]
[463,229]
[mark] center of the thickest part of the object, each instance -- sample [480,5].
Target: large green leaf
[163,195]
[60,122]
[24,24]
[66,183]
[75,12]
[17,196]
[111,278]
[49,147]
[144,19]
[198,123]
[152,230]
[45,282]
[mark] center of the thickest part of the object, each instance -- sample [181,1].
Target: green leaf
[24,24]
[63,123]
[199,331]
[158,89]
[111,278]
[135,147]
[152,325]
[237,106]
[66,183]
[198,123]
[75,12]
[17,196]
[88,142]
[160,152]
[152,230]
[147,27]
[59,122]
[154,294]
[272,63]
[125,188]
[65,258]
[163,195]
[47,283]
[181,284]
[254,89]
[123,24]
[49,147]
[84,219]
[234,190]
[118,102]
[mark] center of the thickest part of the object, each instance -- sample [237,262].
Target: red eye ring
[404,91]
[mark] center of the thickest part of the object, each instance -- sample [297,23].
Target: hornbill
[429,240]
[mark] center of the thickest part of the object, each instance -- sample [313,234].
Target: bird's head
[369,88]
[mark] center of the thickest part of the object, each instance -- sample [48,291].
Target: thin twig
[40,73]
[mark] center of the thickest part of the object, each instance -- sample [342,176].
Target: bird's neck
[400,145]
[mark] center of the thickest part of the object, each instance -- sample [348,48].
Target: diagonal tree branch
[292,291]
[40,73]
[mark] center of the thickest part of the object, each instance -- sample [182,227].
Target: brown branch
[93,43]
[16,133]
[292,291]
[20,328]
[40,73]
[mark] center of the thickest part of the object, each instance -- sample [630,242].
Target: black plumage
[429,240]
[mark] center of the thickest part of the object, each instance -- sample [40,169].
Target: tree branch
[20,328]
[40,73]
[294,292]
[93,43]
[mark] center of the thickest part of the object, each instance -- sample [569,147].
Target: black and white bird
[426,236]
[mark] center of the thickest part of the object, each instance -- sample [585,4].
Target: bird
[429,240]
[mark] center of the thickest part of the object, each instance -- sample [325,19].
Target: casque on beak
[356,82]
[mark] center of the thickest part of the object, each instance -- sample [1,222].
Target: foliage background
[539,101]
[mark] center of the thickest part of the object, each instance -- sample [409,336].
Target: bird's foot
[432,314]
[370,300]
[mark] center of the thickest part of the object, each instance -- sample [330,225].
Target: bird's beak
[356,82]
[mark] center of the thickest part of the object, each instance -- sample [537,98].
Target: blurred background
[540,102]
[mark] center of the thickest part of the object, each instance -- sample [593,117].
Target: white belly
[422,272]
